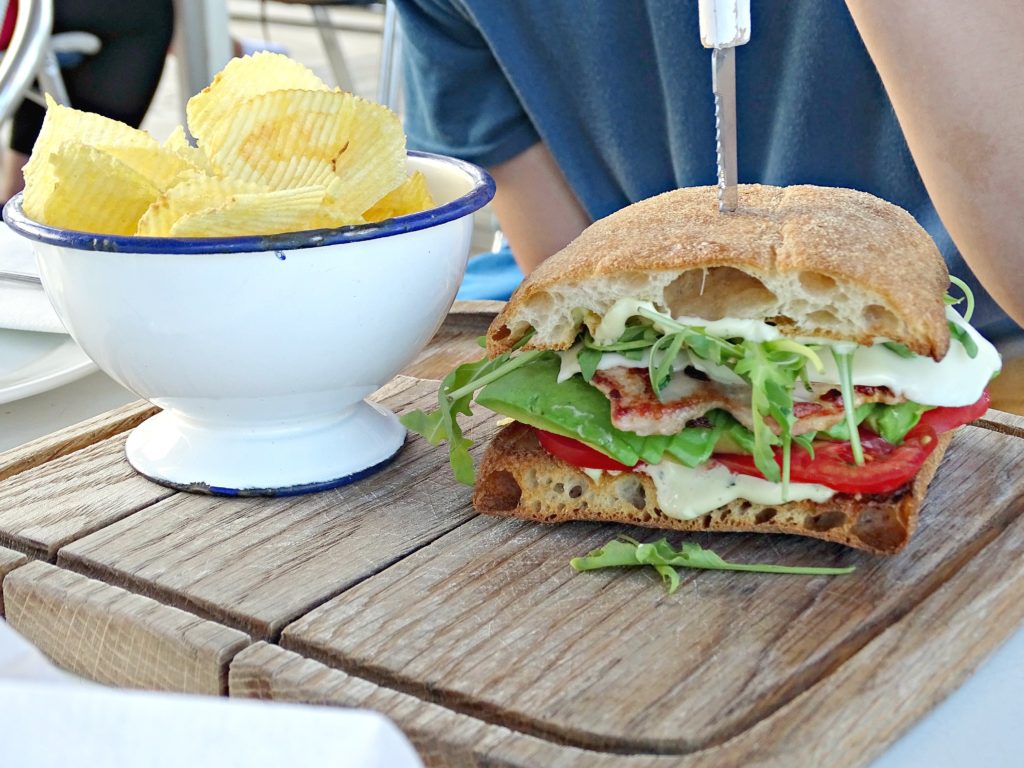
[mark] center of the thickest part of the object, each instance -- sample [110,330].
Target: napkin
[48,720]
[23,307]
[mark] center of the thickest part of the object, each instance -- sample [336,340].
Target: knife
[725,24]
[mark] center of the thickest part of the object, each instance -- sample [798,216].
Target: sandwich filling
[725,409]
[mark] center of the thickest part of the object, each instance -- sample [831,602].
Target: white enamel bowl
[261,350]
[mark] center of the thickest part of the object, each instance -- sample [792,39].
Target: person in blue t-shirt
[580,108]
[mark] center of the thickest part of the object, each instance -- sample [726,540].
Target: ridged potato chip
[135,148]
[194,193]
[177,142]
[277,150]
[283,139]
[64,123]
[164,169]
[373,161]
[411,196]
[242,79]
[258,213]
[93,192]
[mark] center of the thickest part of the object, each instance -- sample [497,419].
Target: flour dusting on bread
[815,261]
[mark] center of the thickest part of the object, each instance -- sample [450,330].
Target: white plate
[31,363]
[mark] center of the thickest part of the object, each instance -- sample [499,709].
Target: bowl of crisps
[257,287]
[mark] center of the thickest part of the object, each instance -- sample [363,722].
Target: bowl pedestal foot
[265,460]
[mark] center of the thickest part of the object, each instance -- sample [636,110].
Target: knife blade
[725,24]
[723,83]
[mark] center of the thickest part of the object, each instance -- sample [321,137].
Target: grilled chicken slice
[690,394]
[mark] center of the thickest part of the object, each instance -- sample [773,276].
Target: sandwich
[795,367]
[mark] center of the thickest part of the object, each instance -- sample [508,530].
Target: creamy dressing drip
[955,380]
[685,493]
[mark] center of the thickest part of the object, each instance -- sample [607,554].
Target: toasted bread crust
[518,478]
[818,261]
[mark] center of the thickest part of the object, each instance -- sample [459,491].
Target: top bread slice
[815,261]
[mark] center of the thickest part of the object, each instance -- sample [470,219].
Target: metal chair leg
[390,81]
[342,77]
[18,68]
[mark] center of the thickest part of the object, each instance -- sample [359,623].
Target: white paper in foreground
[48,720]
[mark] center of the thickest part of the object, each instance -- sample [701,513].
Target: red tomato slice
[945,419]
[576,453]
[886,467]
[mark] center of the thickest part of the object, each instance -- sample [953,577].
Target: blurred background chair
[388,88]
[32,55]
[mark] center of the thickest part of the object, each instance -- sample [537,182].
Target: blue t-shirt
[620,91]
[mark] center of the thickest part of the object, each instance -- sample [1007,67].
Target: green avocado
[573,408]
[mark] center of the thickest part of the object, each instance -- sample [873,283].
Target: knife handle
[724,23]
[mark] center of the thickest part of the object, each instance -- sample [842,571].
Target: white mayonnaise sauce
[685,493]
[570,365]
[953,381]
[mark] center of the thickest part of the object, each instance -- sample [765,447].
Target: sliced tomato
[576,453]
[945,419]
[886,467]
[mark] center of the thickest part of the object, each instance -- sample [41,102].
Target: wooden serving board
[475,635]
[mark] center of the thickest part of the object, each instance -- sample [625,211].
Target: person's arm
[954,71]
[537,211]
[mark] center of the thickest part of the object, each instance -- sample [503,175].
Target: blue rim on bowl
[476,198]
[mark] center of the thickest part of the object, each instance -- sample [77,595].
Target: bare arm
[538,212]
[954,71]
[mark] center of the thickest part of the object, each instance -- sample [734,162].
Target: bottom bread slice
[518,478]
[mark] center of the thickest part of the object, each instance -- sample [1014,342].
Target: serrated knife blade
[723,83]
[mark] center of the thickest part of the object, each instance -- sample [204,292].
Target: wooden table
[472,632]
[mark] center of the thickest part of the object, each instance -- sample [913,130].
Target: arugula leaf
[841,430]
[968,294]
[454,396]
[633,338]
[899,349]
[588,358]
[660,365]
[697,339]
[806,441]
[772,395]
[844,364]
[956,331]
[626,551]
[960,334]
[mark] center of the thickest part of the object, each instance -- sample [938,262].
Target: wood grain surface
[845,720]
[443,739]
[499,627]
[473,633]
[257,564]
[73,438]
[45,507]
[112,636]
[1007,423]
[9,560]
